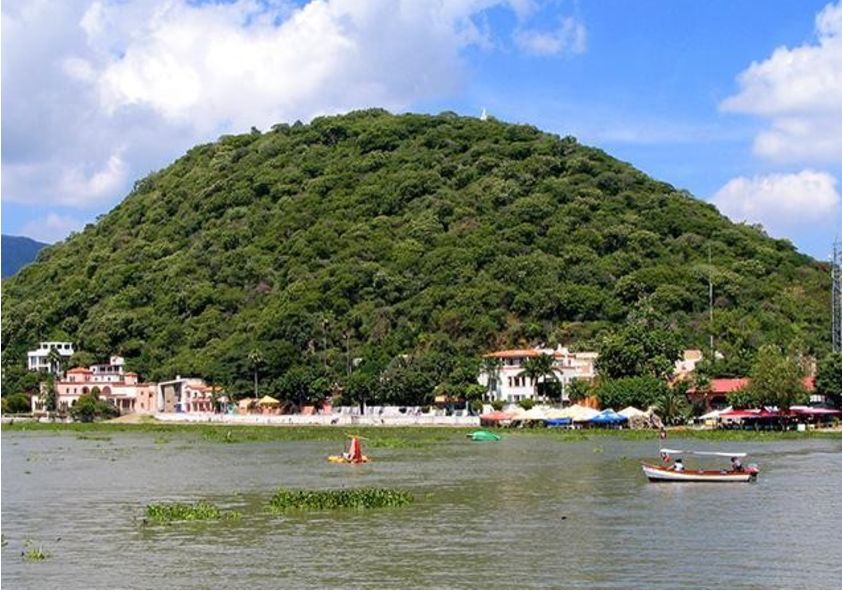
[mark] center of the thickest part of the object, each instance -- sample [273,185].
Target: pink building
[118,387]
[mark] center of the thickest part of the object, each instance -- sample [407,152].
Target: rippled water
[526,512]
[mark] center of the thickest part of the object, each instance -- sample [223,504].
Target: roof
[79,371]
[723,385]
[514,353]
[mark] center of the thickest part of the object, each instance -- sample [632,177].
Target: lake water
[526,512]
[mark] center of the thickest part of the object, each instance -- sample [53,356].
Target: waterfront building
[511,385]
[715,394]
[187,395]
[39,359]
[114,384]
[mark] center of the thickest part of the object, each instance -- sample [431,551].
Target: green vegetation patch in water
[362,498]
[178,511]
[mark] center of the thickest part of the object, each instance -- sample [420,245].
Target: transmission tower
[836,305]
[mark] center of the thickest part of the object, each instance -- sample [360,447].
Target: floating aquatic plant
[178,511]
[34,554]
[362,498]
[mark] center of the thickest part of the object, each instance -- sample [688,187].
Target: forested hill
[371,235]
[17,252]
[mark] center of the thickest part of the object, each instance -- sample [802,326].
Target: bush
[527,404]
[498,405]
[476,406]
[88,408]
[16,404]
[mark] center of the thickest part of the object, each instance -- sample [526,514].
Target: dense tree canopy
[364,237]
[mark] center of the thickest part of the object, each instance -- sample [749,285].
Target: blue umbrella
[609,417]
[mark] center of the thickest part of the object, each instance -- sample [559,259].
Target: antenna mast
[836,296]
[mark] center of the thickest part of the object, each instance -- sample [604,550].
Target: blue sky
[739,102]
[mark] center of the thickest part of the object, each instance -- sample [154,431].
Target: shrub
[527,404]
[498,405]
[16,404]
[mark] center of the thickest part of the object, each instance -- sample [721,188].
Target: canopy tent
[608,417]
[579,413]
[556,422]
[716,414]
[703,453]
[496,416]
[631,412]
[750,414]
[535,414]
[553,413]
[245,404]
[806,410]
[268,401]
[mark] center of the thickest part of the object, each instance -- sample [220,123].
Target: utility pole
[710,304]
[836,297]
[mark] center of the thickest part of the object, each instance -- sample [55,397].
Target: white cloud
[800,91]
[782,203]
[570,37]
[52,228]
[97,93]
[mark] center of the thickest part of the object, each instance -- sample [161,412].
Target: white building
[511,385]
[187,395]
[39,360]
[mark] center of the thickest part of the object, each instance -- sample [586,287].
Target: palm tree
[536,368]
[54,359]
[256,358]
[490,366]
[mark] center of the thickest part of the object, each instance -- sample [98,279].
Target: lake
[525,512]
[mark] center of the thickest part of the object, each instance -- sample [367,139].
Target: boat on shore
[663,472]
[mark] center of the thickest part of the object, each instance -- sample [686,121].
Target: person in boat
[736,464]
[678,465]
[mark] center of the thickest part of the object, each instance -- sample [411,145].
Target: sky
[737,101]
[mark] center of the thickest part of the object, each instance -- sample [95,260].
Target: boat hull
[660,473]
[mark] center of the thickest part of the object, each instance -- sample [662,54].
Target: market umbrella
[268,401]
[608,417]
[579,413]
[631,412]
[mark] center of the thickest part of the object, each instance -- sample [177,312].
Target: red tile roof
[79,371]
[729,385]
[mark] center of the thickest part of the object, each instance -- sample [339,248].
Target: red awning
[803,410]
[749,414]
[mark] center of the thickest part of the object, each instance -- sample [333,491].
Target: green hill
[371,235]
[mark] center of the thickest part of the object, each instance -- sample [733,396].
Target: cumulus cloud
[570,37]
[782,203]
[52,228]
[800,91]
[99,92]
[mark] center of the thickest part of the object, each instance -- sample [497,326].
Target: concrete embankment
[322,420]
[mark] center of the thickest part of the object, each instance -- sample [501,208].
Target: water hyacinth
[167,513]
[362,498]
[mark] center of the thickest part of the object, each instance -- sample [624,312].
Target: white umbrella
[631,412]
[715,414]
[579,413]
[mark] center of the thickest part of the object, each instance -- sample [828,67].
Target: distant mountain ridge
[17,252]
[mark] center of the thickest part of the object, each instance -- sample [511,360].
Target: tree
[635,391]
[490,366]
[89,408]
[776,379]
[536,368]
[638,350]
[829,377]
[16,404]
[578,389]
[256,360]
[672,405]
[54,359]
[361,388]
[49,394]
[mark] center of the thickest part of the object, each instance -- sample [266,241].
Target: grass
[388,437]
[34,554]
[362,498]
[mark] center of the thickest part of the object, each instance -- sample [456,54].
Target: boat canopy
[703,453]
